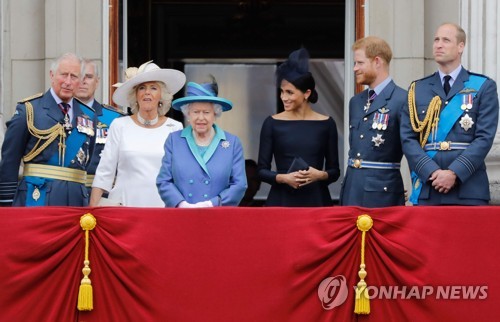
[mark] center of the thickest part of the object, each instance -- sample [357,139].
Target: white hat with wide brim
[148,72]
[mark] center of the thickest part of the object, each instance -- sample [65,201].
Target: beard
[367,78]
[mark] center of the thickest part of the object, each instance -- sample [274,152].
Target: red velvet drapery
[249,264]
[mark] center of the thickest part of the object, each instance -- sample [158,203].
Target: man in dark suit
[104,115]
[53,134]
[373,177]
[448,127]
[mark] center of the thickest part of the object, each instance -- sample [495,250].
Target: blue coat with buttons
[472,187]
[218,175]
[375,187]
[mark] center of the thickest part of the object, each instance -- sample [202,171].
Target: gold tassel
[362,303]
[85,299]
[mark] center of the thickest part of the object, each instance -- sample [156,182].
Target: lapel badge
[225,144]
[383,110]
[101,125]
[466,122]
[378,140]
[467,91]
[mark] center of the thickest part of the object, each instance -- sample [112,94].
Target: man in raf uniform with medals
[104,115]
[373,177]
[448,127]
[53,134]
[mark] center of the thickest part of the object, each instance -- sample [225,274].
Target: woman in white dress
[132,155]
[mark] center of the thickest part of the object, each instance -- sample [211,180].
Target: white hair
[217,109]
[67,56]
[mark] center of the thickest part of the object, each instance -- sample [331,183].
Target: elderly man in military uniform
[104,114]
[448,127]
[53,134]
[373,177]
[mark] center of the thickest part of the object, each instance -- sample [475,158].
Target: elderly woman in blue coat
[203,165]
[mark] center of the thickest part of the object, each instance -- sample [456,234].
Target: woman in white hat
[203,165]
[134,146]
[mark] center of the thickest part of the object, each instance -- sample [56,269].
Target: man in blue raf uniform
[104,115]
[53,135]
[448,128]
[373,178]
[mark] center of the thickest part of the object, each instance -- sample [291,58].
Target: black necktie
[371,95]
[446,84]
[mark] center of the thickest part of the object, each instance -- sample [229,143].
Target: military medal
[378,140]
[469,102]
[101,136]
[375,121]
[466,102]
[369,101]
[85,125]
[67,124]
[466,122]
[386,122]
[80,156]
[101,133]
[36,194]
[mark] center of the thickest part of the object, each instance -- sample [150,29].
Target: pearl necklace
[147,122]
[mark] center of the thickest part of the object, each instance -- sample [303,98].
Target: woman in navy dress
[303,142]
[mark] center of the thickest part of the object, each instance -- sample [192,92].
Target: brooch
[225,144]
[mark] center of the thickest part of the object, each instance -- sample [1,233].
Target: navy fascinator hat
[295,67]
[296,71]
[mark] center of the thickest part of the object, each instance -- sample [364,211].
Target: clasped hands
[201,204]
[443,180]
[301,178]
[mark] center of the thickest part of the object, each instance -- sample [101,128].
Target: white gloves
[201,204]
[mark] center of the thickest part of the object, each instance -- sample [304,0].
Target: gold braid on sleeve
[431,119]
[49,135]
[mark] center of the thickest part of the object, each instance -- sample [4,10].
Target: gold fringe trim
[49,135]
[362,303]
[431,119]
[85,298]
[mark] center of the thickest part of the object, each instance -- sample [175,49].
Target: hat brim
[173,79]
[226,104]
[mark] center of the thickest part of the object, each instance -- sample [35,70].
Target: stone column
[479,18]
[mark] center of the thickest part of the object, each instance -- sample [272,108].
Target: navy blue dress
[316,142]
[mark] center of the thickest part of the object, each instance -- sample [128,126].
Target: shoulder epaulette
[32,97]
[428,76]
[90,107]
[113,109]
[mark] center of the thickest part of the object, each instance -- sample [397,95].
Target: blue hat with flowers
[205,92]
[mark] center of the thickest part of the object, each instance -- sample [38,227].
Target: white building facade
[34,32]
